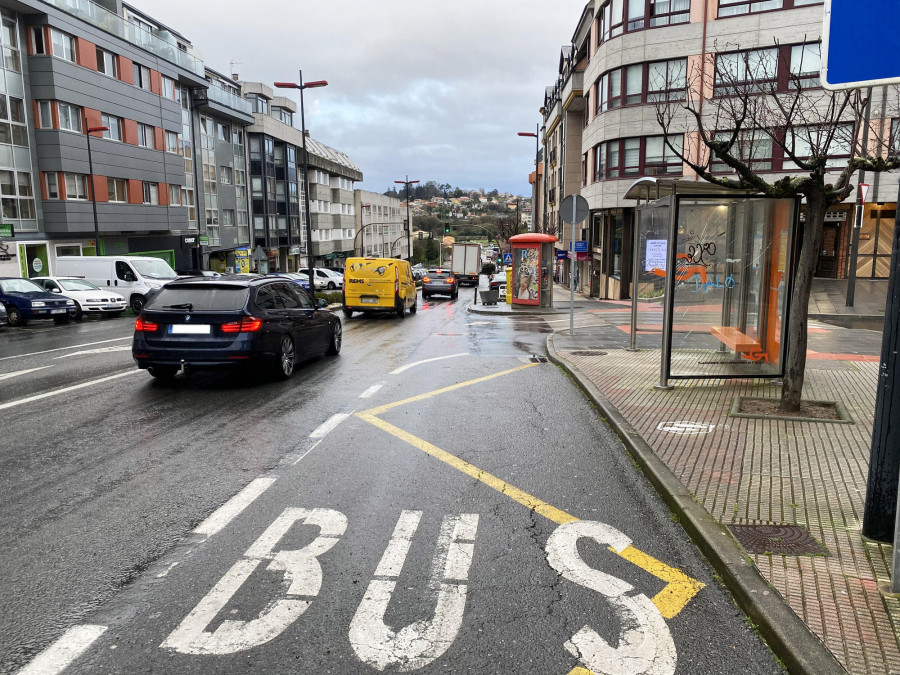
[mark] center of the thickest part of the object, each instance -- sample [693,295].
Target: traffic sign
[581,247]
[507,258]
[573,209]
[851,58]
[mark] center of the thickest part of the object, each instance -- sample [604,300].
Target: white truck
[465,263]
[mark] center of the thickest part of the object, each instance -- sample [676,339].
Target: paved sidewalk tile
[760,471]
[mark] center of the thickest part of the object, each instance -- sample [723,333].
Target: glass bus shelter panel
[653,237]
[731,284]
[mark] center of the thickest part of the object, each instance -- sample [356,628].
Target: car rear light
[142,325]
[247,324]
[426,280]
[450,280]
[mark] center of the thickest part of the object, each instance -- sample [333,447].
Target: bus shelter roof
[651,189]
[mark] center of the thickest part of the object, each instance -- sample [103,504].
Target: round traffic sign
[573,209]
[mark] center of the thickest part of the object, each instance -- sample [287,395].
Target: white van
[132,277]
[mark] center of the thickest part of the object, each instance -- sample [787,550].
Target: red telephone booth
[531,269]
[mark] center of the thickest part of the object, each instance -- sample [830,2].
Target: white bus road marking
[61,349]
[419,363]
[233,507]
[58,656]
[57,392]
[328,425]
[418,644]
[16,373]
[371,391]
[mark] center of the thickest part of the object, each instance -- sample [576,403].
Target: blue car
[24,300]
[302,279]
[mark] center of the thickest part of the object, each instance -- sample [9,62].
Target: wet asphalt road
[462,524]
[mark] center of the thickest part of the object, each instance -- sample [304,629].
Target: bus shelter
[713,272]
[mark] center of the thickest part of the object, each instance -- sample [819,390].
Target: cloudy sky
[435,90]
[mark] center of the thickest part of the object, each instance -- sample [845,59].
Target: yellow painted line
[420,397]
[578,670]
[499,485]
[680,588]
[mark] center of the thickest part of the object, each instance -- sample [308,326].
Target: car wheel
[137,303]
[415,305]
[285,366]
[348,312]
[164,373]
[337,336]
[331,286]
[401,310]
[14,316]
[60,320]
[425,296]
[78,314]
[454,295]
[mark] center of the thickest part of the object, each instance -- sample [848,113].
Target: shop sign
[580,247]
[294,250]
[579,256]
[190,240]
[4,252]
[560,255]
[204,240]
[6,231]
[37,265]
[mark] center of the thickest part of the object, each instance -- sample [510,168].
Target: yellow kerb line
[680,588]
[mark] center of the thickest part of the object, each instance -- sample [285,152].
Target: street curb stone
[788,637]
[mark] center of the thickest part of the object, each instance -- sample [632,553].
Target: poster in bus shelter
[526,275]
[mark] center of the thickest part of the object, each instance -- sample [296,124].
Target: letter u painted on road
[301,570]
[418,644]
[645,645]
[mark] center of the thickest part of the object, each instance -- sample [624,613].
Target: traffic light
[446,229]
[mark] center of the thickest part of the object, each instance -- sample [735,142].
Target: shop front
[609,266]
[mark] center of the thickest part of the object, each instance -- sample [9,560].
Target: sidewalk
[760,472]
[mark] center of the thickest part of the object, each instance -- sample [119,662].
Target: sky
[433,90]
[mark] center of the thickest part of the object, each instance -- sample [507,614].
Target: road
[438,498]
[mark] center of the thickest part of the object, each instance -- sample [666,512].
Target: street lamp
[301,86]
[91,130]
[407,182]
[534,192]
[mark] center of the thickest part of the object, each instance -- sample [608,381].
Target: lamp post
[92,130]
[407,182]
[534,192]
[301,86]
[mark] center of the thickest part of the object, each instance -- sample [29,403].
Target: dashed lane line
[65,390]
[234,506]
[16,373]
[64,651]
[371,391]
[60,349]
[329,425]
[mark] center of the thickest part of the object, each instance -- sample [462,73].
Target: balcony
[110,22]
[223,102]
[573,91]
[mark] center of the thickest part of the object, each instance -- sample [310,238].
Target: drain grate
[778,539]
[588,352]
[538,359]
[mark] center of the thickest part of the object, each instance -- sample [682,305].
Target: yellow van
[378,285]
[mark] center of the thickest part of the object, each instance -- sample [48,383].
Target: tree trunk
[795,359]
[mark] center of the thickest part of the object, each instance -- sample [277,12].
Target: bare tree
[736,107]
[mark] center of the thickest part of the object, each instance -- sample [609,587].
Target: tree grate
[777,539]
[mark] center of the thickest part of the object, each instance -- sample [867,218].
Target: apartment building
[601,129]
[275,150]
[380,225]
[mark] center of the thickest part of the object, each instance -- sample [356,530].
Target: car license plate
[57,311]
[369,301]
[189,329]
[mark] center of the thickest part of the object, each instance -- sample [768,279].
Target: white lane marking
[99,350]
[58,656]
[421,642]
[166,573]
[233,507]
[308,450]
[328,425]
[60,349]
[57,392]
[302,571]
[368,393]
[6,376]
[419,363]
[644,645]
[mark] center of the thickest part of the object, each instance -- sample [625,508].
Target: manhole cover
[778,539]
[685,428]
[539,359]
[585,352]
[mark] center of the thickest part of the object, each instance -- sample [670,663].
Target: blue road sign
[507,258]
[580,247]
[859,47]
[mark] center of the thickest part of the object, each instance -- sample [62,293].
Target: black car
[229,321]
[3,319]
[440,281]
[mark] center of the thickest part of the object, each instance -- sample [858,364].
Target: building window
[667,80]
[736,7]
[283,115]
[172,142]
[806,63]
[168,87]
[223,132]
[52,185]
[37,39]
[626,157]
[114,127]
[659,158]
[76,186]
[14,130]
[752,146]
[45,118]
[145,135]
[69,117]
[141,76]
[151,193]
[107,63]
[116,189]
[228,217]
[620,16]
[174,195]
[642,83]
[63,45]
[756,69]
[226,175]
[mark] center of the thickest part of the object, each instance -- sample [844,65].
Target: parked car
[440,282]
[502,289]
[325,278]
[25,300]
[135,278]
[3,319]
[88,297]
[198,273]
[301,279]
[233,320]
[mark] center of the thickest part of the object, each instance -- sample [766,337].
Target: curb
[788,637]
